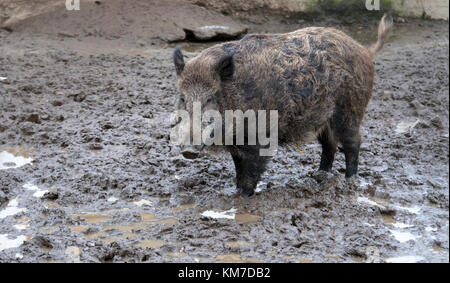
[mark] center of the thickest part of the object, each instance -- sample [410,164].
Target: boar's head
[200,82]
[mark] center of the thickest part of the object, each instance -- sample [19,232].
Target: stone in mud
[209,32]
[34,118]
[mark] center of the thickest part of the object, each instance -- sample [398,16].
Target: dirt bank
[88,173]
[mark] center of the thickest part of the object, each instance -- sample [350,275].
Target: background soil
[88,97]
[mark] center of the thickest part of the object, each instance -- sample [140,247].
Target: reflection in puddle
[413,210]
[402,225]
[228,214]
[260,187]
[403,236]
[11,209]
[143,202]
[231,214]
[14,158]
[405,259]
[7,243]
[113,199]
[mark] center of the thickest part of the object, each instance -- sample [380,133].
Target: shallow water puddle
[7,243]
[78,228]
[14,157]
[183,207]
[246,218]
[92,217]
[11,209]
[389,219]
[126,230]
[237,243]
[51,229]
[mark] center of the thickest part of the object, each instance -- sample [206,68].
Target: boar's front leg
[249,168]
[329,148]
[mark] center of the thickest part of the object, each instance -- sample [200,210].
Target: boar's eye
[210,100]
[181,102]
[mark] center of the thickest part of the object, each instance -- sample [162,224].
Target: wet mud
[88,174]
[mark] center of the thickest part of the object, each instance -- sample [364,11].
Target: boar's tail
[384,29]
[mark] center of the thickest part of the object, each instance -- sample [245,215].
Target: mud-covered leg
[249,168]
[329,148]
[351,145]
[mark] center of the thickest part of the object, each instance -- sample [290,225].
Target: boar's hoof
[246,193]
[321,176]
[190,154]
[353,183]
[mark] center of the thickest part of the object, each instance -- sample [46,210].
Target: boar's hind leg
[249,168]
[329,147]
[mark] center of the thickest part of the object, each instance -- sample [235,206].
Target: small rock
[34,118]
[50,195]
[216,31]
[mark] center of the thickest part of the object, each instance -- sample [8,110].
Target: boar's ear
[225,67]
[178,60]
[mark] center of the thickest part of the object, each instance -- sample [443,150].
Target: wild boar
[318,79]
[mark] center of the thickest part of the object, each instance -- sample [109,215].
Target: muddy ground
[87,171]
